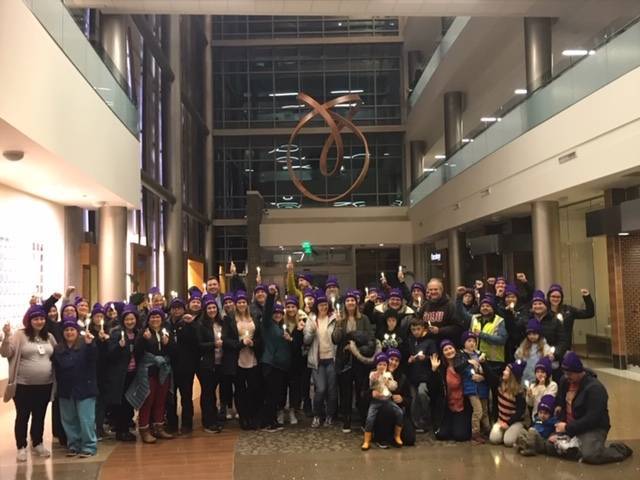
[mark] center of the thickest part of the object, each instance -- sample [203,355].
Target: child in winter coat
[382,385]
[543,385]
[511,406]
[420,347]
[544,423]
[74,361]
[532,349]
[475,388]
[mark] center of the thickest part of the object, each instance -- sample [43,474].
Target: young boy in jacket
[420,348]
[544,424]
[475,387]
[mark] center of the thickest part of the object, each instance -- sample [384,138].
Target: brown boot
[146,436]
[160,432]
[396,436]
[366,444]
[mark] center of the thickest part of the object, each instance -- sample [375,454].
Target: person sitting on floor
[583,416]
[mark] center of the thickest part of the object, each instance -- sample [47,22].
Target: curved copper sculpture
[336,123]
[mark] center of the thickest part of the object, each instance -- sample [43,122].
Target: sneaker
[280,417]
[41,451]
[293,420]
[328,422]
[213,429]
[346,425]
[229,415]
[382,445]
[21,456]
[85,455]
[71,453]
[276,427]
[316,422]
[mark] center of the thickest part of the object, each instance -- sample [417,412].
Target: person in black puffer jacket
[100,332]
[568,314]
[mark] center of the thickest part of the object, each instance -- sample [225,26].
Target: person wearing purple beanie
[583,412]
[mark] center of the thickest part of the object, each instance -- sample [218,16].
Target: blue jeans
[326,388]
[376,405]
[79,422]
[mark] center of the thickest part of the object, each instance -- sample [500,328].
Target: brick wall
[624,288]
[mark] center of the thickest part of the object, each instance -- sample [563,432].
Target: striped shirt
[506,406]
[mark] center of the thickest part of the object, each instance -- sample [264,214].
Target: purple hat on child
[467,335]
[544,364]
[547,403]
[446,342]
[534,326]
[517,368]
[381,358]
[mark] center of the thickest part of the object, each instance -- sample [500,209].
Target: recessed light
[577,52]
[623,234]
[490,119]
[520,91]
[13,155]
[439,157]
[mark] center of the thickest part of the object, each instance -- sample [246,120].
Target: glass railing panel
[59,23]
[607,63]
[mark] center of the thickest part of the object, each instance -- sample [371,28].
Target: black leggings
[184,383]
[31,402]
[209,380]
[349,381]
[293,385]
[247,395]
[273,382]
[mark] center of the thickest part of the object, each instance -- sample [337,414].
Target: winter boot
[160,432]
[146,436]
[366,444]
[397,431]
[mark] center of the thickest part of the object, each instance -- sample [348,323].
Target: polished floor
[302,453]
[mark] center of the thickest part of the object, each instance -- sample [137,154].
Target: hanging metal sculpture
[336,124]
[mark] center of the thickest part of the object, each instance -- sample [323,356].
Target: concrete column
[545,226]
[454,250]
[537,51]
[255,208]
[417,150]
[453,108]
[175,278]
[113,36]
[73,238]
[112,253]
[209,171]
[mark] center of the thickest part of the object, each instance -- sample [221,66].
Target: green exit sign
[306,248]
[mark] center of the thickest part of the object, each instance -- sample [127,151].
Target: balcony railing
[61,26]
[615,55]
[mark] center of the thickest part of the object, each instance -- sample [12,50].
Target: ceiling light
[467,140]
[288,107]
[13,155]
[284,94]
[381,244]
[339,24]
[337,92]
[577,52]
[520,91]
[623,234]
[386,154]
[346,105]
[439,157]
[490,119]
[429,169]
[248,170]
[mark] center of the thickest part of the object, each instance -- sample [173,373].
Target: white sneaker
[293,420]
[280,417]
[41,451]
[22,455]
[316,422]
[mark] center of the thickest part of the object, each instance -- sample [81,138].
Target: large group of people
[491,363]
